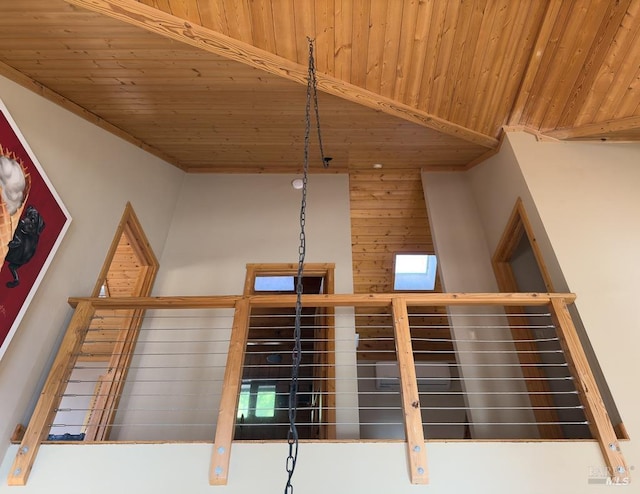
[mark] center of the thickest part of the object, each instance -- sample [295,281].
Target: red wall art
[33,221]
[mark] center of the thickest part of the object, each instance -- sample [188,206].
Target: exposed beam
[488,154]
[597,130]
[26,82]
[170,26]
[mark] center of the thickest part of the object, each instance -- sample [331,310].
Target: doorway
[264,394]
[520,267]
[129,270]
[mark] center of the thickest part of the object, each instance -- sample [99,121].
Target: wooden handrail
[325,300]
[189,302]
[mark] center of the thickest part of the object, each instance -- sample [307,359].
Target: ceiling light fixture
[377,166]
[297,183]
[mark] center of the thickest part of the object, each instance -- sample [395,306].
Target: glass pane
[406,263]
[266,401]
[243,401]
[415,272]
[273,284]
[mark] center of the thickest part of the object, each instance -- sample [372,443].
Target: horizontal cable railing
[171,387]
[510,378]
[373,367]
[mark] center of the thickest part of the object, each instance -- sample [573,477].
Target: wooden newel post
[599,421]
[219,470]
[416,449]
[45,410]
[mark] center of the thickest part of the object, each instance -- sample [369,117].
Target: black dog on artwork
[24,243]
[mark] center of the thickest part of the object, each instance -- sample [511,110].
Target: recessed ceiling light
[297,183]
[377,166]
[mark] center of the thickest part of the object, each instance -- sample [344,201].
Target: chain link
[292,435]
[314,89]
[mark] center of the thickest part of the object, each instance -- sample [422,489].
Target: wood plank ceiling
[216,86]
[435,81]
[564,68]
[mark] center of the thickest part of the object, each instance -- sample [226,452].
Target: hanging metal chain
[292,435]
[313,82]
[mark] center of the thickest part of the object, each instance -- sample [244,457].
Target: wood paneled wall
[388,215]
[124,273]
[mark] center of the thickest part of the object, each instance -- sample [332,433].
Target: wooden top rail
[325,300]
[188,302]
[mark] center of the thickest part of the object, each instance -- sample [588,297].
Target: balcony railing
[401,367]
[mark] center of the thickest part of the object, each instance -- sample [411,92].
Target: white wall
[368,467]
[223,222]
[220,224]
[489,365]
[588,199]
[583,204]
[496,185]
[95,174]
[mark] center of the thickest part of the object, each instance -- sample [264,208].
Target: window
[256,401]
[266,401]
[414,272]
[262,412]
[243,401]
[274,284]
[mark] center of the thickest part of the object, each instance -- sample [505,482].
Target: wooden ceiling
[219,85]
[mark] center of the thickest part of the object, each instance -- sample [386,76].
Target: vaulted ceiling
[219,85]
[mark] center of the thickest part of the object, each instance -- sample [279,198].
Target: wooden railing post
[50,397]
[595,410]
[219,470]
[409,392]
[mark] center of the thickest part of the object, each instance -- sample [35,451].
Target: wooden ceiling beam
[596,131]
[159,22]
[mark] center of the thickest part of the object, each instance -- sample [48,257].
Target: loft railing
[379,366]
